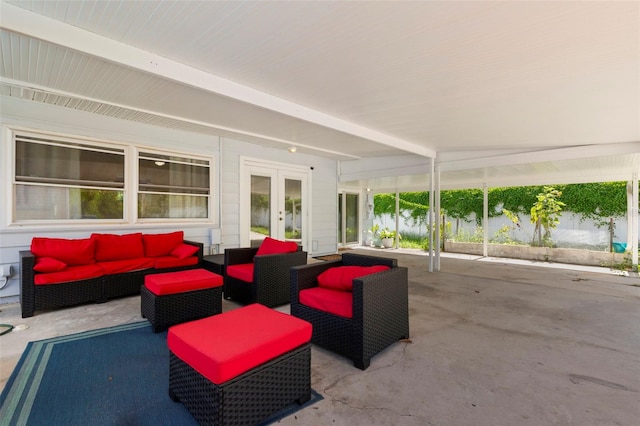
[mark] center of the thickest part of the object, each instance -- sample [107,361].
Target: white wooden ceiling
[499,92]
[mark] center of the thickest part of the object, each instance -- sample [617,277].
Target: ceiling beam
[541,156]
[22,21]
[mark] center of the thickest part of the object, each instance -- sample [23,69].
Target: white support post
[431,189]
[396,243]
[634,224]
[439,224]
[485,220]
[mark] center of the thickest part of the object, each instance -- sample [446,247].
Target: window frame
[130,152]
[164,155]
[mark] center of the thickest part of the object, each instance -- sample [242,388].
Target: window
[348,218]
[69,180]
[58,180]
[172,187]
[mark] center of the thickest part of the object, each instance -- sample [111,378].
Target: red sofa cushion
[336,302]
[224,346]
[49,264]
[71,273]
[118,247]
[126,265]
[273,246]
[157,245]
[243,271]
[341,277]
[71,252]
[182,251]
[165,262]
[178,282]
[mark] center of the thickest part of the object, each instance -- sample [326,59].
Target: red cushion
[336,302]
[243,271]
[224,346]
[71,252]
[118,247]
[341,277]
[174,262]
[49,264]
[183,251]
[272,246]
[71,273]
[126,265]
[178,282]
[156,245]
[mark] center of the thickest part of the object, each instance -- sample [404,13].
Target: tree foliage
[546,213]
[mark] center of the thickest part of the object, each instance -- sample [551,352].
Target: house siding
[225,153]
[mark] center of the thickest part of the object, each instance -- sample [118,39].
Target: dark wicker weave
[380,309]
[270,285]
[247,399]
[171,309]
[97,290]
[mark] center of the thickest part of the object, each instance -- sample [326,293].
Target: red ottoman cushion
[226,345]
[178,282]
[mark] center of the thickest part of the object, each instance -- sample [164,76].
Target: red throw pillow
[158,245]
[118,247]
[184,250]
[72,252]
[341,277]
[273,246]
[49,264]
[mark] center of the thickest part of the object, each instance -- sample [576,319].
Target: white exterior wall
[225,205]
[570,231]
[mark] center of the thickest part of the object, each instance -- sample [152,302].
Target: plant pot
[387,242]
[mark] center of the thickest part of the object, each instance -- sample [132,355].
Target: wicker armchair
[380,309]
[270,285]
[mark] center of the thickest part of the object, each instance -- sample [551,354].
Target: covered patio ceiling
[499,93]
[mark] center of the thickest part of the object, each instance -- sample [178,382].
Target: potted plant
[387,237]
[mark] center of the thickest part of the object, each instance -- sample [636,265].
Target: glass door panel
[292,209]
[348,218]
[260,208]
[352,231]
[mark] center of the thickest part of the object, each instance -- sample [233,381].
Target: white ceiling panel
[350,80]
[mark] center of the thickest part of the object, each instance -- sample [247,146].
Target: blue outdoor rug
[112,376]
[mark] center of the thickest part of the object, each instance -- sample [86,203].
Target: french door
[273,203]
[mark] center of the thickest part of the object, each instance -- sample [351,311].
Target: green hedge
[597,201]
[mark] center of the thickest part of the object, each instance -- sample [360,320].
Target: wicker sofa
[373,314]
[59,272]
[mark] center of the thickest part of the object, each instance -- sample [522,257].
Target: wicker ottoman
[176,297]
[240,367]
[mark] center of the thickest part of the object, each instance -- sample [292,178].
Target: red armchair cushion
[243,271]
[224,346]
[71,252]
[118,247]
[71,273]
[273,246]
[49,264]
[174,262]
[183,251]
[157,245]
[341,277]
[336,302]
[178,282]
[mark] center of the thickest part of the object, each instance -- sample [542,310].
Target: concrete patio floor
[492,343]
